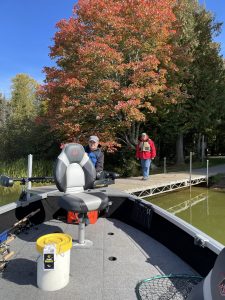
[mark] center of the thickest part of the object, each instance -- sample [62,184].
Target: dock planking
[165,182]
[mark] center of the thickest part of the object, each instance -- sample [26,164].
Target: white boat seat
[75,175]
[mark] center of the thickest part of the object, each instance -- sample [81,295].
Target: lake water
[202,208]
[8,195]
[11,194]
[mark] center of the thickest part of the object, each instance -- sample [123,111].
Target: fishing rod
[6,181]
[7,236]
[19,224]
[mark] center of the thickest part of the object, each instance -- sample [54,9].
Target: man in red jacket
[145,151]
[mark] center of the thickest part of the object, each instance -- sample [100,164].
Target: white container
[58,277]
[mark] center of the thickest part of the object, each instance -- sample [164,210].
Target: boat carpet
[92,275]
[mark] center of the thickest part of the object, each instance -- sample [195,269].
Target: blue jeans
[145,165]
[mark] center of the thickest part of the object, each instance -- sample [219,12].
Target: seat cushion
[84,202]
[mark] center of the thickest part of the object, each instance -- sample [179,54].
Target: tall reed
[18,168]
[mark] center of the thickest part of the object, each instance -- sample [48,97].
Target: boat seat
[84,202]
[212,287]
[75,176]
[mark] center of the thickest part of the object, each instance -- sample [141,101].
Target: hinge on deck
[200,240]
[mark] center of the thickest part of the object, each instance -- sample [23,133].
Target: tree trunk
[180,150]
[130,137]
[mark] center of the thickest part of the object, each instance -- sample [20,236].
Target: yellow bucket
[56,276]
[62,242]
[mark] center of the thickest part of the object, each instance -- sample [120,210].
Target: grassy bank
[18,168]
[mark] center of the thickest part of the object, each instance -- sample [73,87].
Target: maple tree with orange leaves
[112,60]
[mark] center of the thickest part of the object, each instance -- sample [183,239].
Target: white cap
[93,138]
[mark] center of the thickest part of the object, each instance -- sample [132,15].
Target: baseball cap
[93,138]
[144,133]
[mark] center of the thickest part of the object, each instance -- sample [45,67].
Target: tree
[24,103]
[208,79]
[112,62]
[3,117]
[173,117]
[200,76]
[3,110]
[17,134]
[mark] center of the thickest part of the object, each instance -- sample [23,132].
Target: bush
[123,162]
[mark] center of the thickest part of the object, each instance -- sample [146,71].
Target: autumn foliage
[112,62]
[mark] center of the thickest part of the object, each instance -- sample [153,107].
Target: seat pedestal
[82,243]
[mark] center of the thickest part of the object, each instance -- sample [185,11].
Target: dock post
[190,170]
[29,169]
[207,172]
[203,148]
[164,165]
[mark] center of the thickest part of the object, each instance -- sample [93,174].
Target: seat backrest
[74,172]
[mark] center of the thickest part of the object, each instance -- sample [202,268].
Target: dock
[165,182]
[156,184]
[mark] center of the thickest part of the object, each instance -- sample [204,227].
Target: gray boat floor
[92,274]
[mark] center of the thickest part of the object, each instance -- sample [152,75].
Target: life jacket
[144,146]
[93,155]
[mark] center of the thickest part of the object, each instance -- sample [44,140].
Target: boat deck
[92,274]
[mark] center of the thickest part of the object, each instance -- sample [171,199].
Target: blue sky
[28,26]
[218,8]
[26,31]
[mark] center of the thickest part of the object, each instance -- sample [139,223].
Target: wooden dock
[165,182]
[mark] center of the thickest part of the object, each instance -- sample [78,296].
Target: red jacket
[149,154]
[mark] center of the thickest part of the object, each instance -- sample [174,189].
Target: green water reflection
[8,195]
[202,208]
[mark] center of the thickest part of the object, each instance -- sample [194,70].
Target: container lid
[62,241]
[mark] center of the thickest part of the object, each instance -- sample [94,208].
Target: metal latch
[200,240]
